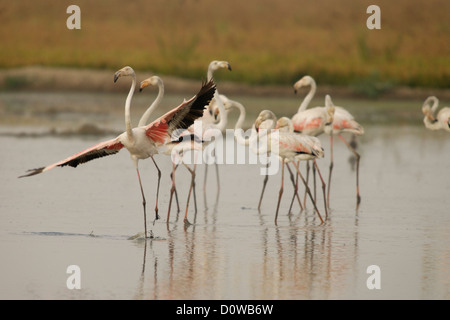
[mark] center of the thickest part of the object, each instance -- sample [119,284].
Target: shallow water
[85,216]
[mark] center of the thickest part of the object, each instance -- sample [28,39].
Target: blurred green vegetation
[266,42]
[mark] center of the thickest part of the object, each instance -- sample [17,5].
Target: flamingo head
[154,81]
[216,112]
[303,82]
[263,116]
[215,65]
[329,105]
[284,124]
[125,71]
[318,151]
[227,105]
[213,109]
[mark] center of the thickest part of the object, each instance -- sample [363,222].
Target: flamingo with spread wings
[176,148]
[143,141]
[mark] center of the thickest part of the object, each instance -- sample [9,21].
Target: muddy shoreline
[38,78]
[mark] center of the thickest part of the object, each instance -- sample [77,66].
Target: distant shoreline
[38,78]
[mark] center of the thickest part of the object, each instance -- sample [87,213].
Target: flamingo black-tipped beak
[216,114]
[229,67]
[257,124]
[295,91]
[143,84]
[116,76]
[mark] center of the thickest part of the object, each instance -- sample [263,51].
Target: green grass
[266,42]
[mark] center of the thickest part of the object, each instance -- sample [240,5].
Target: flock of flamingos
[186,128]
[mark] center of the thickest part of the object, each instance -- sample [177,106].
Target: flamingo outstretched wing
[99,150]
[170,126]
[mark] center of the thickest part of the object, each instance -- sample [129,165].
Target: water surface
[84,217]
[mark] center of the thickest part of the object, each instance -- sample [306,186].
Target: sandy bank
[38,78]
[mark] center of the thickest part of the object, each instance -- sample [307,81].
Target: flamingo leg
[176,193]
[323,189]
[309,192]
[281,190]
[295,193]
[217,174]
[143,202]
[358,197]
[307,180]
[266,178]
[295,184]
[204,180]
[206,175]
[314,180]
[172,190]
[195,196]
[192,187]
[192,171]
[331,169]
[157,190]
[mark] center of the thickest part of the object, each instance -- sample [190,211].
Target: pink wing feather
[171,125]
[101,149]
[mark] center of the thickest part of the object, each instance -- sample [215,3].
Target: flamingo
[142,142]
[290,147]
[441,121]
[202,130]
[187,142]
[173,148]
[342,121]
[311,121]
[210,115]
[229,104]
[204,127]
[155,81]
[284,124]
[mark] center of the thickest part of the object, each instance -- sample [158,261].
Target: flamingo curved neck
[430,120]
[434,106]
[238,132]
[153,106]
[309,96]
[272,117]
[223,113]
[209,74]
[128,106]
[223,118]
[242,115]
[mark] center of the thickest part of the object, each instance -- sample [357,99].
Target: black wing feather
[186,116]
